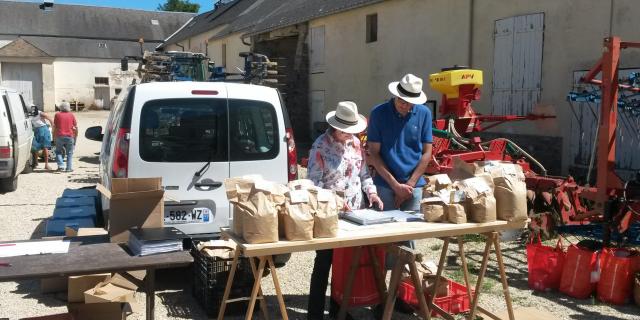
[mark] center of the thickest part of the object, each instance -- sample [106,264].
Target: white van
[15,138]
[195,135]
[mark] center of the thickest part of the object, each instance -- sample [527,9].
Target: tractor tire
[8,184]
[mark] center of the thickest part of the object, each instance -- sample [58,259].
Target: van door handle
[208,186]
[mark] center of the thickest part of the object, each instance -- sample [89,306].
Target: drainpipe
[471,21]
[181,46]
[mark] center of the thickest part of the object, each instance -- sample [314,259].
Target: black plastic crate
[210,275]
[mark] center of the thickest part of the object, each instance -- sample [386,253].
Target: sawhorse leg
[405,256]
[377,274]
[262,262]
[150,290]
[253,298]
[491,239]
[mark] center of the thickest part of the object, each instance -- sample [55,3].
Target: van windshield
[184,130]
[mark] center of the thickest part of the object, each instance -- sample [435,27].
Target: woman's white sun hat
[346,118]
[409,89]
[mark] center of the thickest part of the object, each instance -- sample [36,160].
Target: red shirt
[64,123]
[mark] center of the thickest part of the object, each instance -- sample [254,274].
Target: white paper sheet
[34,247]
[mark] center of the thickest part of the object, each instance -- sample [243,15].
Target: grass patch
[436,247]
[473,238]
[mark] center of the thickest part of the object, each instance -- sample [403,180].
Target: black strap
[349,123]
[407,93]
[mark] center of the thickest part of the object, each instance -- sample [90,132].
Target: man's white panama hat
[346,118]
[409,89]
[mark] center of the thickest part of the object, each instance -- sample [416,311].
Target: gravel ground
[23,214]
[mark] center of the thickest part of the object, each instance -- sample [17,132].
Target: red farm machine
[607,211]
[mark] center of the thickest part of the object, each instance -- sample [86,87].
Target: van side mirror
[124,64]
[94,133]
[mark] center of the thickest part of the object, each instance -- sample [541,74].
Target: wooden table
[87,255]
[350,235]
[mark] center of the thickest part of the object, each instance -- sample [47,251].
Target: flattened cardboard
[98,311]
[134,202]
[79,284]
[108,292]
[81,232]
[59,316]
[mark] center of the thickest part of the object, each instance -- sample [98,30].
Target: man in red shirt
[65,131]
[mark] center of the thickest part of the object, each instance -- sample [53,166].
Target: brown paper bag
[439,181]
[300,184]
[510,192]
[238,190]
[324,204]
[480,202]
[455,213]
[260,219]
[297,216]
[433,209]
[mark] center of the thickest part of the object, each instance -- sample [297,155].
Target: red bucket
[364,291]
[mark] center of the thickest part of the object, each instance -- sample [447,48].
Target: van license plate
[180,216]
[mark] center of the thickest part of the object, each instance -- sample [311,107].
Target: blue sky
[205,5]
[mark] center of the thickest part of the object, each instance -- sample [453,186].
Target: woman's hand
[374,199]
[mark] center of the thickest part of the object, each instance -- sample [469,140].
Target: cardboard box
[98,311]
[79,284]
[108,292]
[53,285]
[71,232]
[116,289]
[134,202]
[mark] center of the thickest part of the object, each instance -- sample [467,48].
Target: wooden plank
[88,259]
[372,235]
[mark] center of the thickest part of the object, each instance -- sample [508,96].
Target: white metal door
[317,49]
[517,62]
[26,78]
[23,129]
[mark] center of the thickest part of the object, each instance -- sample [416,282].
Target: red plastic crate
[455,302]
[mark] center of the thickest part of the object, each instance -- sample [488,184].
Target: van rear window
[184,130]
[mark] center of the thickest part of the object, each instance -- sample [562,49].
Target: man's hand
[402,192]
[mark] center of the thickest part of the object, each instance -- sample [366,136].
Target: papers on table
[370,216]
[143,242]
[33,248]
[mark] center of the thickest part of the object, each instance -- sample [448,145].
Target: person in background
[65,131]
[337,162]
[41,135]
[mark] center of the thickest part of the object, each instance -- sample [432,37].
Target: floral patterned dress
[340,167]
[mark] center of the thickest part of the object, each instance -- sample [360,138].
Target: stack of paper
[367,216]
[143,242]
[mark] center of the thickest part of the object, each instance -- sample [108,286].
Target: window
[372,28]
[102,80]
[253,130]
[184,130]
[317,50]
[155,22]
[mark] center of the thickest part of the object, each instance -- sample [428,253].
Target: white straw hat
[346,118]
[409,89]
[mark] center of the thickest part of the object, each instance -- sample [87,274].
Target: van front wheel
[8,184]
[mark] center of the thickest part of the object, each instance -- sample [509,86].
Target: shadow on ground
[90,160]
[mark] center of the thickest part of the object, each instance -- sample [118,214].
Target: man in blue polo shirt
[399,138]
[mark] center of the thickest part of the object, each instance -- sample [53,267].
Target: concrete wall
[414,36]
[75,78]
[574,30]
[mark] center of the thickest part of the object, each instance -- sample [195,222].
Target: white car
[195,135]
[16,136]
